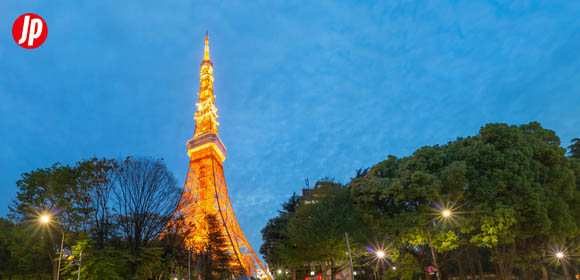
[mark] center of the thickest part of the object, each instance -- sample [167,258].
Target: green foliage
[495,229]
[212,258]
[44,189]
[316,232]
[446,241]
[273,234]
[406,268]
[575,148]
[77,198]
[513,184]
[7,239]
[514,195]
[23,251]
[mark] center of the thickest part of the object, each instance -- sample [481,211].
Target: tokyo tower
[205,191]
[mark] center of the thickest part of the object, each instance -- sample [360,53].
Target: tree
[315,233]
[398,197]
[273,233]
[116,241]
[514,186]
[176,252]
[145,196]
[574,148]
[96,176]
[213,259]
[49,190]
[32,251]
[10,263]
[45,189]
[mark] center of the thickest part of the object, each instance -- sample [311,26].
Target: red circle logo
[29,31]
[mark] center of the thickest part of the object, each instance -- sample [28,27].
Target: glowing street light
[312,273]
[380,254]
[45,219]
[279,271]
[394,268]
[561,256]
[446,213]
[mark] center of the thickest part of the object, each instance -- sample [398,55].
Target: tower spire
[206,124]
[206,50]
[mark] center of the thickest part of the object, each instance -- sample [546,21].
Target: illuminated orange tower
[205,191]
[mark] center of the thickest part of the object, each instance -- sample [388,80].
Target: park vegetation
[112,214]
[513,194]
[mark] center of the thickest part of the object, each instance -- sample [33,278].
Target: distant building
[319,191]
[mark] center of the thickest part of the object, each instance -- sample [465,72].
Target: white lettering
[35,30]
[24,30]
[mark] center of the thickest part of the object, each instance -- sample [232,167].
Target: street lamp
[349,256]
[561,256]
[45,219]
[380,254]
[445,213]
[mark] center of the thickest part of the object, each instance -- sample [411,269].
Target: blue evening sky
[305,89]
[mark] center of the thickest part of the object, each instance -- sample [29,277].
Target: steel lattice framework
[205,191]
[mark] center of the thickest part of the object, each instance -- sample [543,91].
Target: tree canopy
[512,194]
[111,210]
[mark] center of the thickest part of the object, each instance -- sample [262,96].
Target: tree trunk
[505,261]
[565,270]
[460,268]
[498,275]
[331,272]
[523,273]
[480,268]
[472,269]
[54,265]
[544,272]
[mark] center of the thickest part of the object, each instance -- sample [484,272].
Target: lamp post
[45,219]
[446,213]
[561,256]
[349,256]
[433,253]
[380,256]
[80,264]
